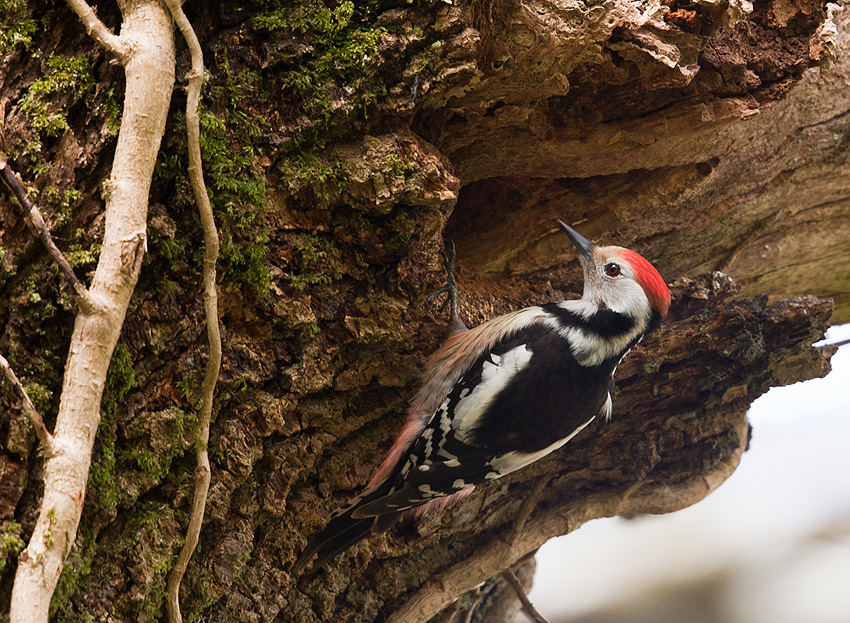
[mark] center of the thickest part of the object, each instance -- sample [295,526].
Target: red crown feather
[650,280]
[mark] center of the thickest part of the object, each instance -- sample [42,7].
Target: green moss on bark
[64,75]
[237,190]
[333,74]
[16,26]
[11,543]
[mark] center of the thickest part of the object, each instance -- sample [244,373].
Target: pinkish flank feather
[408,433]
[440,504]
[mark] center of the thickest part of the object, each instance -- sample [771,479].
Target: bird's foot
[456,325]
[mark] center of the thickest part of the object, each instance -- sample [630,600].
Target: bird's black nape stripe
[604,322]
[654,321]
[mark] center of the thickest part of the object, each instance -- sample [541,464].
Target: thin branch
[838,344]
[98,31]
[510,577]
[470,610]
[528,506]
[211,244]
[456,325]
[44,435]
[4,147]
[35,223]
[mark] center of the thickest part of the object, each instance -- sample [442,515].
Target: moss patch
[7,268]
[77,568]
[237,192]
[235,183]
[119,378]
[103,487]
[63,75]
[153,533]
[16,26]
[11,543]
[333,73]
[319,262]
[317,172]
[169,432]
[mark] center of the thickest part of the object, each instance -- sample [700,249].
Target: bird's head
[620,279]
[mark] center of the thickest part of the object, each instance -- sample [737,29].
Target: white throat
[591,349]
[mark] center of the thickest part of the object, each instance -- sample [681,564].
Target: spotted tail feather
[341,533]
[345,530]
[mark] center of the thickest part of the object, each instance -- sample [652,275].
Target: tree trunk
[150,76]
[342,144]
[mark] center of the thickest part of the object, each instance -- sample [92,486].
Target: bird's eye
[612,269]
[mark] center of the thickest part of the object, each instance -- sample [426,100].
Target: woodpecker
[498,397]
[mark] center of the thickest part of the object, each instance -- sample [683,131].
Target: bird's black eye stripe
[612,269]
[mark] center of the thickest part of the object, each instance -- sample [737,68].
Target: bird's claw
[456,325]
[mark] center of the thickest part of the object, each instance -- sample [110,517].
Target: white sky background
[793,483]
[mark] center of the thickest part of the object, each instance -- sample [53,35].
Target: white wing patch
[460,352]
[512,461]
[496,374]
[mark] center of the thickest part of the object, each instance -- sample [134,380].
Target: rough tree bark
[342,144]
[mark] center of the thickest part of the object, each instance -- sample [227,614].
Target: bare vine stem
[211,248]
[35,223]
[510,577]
[44,435]
[838,344]
[98,31]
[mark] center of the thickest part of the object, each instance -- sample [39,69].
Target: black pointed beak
[585,247]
